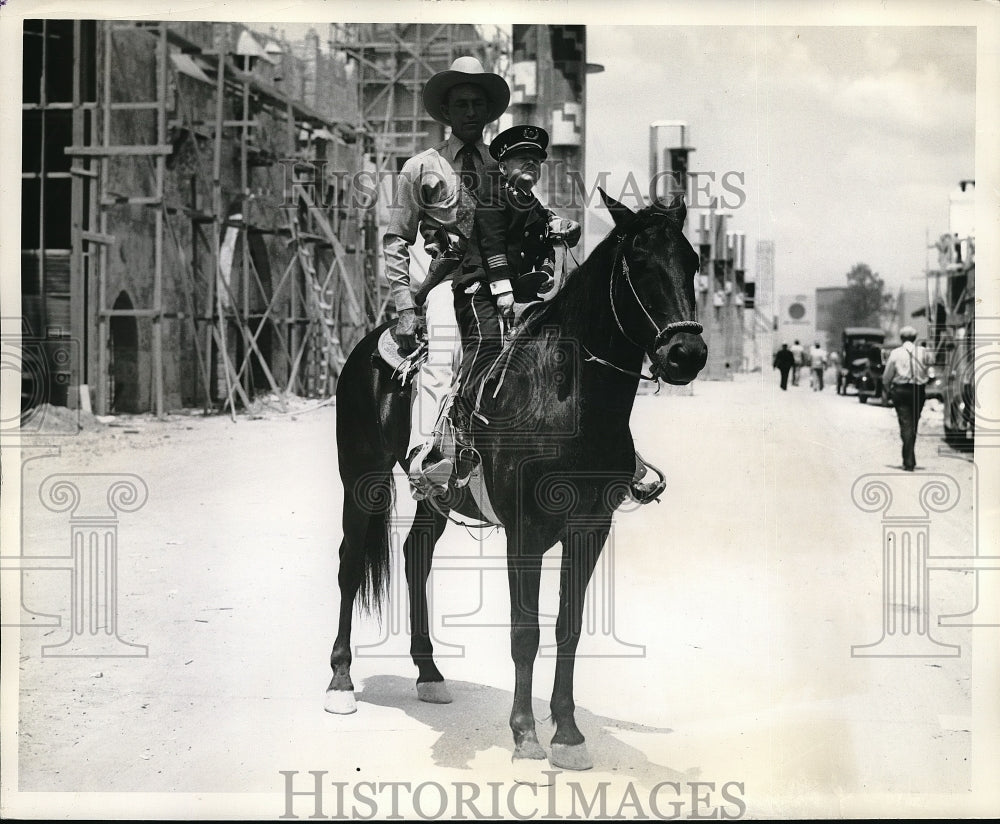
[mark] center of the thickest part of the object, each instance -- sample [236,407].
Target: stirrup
[468,460]
[646,492]
[428,479]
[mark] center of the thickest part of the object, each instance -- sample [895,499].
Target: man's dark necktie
[467,195]
[470,176]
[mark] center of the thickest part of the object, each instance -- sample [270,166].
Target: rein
[661,334]
[590,355]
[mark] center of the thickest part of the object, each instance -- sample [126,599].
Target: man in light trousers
[433,198]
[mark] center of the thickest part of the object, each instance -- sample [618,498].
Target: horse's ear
[675,209]
[619,211]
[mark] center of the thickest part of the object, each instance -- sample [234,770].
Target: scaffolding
[193,158]
[392,63]
[209,108]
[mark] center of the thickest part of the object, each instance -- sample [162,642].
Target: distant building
[765,275]
[829,324]
[549,87]
[908,302]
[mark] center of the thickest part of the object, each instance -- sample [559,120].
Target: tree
[865,302]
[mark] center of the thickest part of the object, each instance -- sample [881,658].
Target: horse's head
[652,287]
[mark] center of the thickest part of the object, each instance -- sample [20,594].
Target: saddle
[403,367]
[454,439]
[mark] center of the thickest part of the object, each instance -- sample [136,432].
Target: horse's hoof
[532,771]
[529,765]
[571,757]
[529,751]
[340,702]
[434,692]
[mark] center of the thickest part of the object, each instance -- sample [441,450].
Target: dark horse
[557,455]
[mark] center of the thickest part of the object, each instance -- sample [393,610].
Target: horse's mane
[596,268]
[570,288]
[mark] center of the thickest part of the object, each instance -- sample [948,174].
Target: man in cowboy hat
[436,197]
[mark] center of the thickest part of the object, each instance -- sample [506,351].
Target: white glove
[505,303]
[565,229]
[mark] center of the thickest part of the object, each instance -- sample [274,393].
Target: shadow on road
[477,720]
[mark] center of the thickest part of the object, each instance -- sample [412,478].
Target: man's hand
[505,303]
[406,331]
[561,228]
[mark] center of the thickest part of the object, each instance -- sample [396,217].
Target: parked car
[866,375]
[860,348]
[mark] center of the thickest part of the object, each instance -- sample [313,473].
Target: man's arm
[404,218]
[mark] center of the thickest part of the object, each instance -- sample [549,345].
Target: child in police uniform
[512,237]
[515,235]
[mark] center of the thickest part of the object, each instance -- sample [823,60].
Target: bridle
[662,334]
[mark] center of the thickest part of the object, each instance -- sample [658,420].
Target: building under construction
[192,233]
[168,257]
[198,218]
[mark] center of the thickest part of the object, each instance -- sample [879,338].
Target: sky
[850,139]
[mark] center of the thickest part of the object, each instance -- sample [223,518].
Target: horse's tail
[367,510]
[367,413]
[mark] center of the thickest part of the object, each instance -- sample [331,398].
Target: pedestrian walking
[817,365]
[784,360]
[798,353]
[905,379]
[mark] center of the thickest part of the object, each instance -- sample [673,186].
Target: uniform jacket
[512,234]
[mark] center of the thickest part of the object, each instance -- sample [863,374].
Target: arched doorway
[124,361]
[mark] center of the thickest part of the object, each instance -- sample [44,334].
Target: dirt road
[719,658]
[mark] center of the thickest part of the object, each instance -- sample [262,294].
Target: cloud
[880,51]
[905,100]
[851,138]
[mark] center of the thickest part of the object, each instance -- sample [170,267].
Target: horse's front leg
[524,576]
[418,552]
[582,547]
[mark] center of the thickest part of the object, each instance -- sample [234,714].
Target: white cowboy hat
[466,70]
